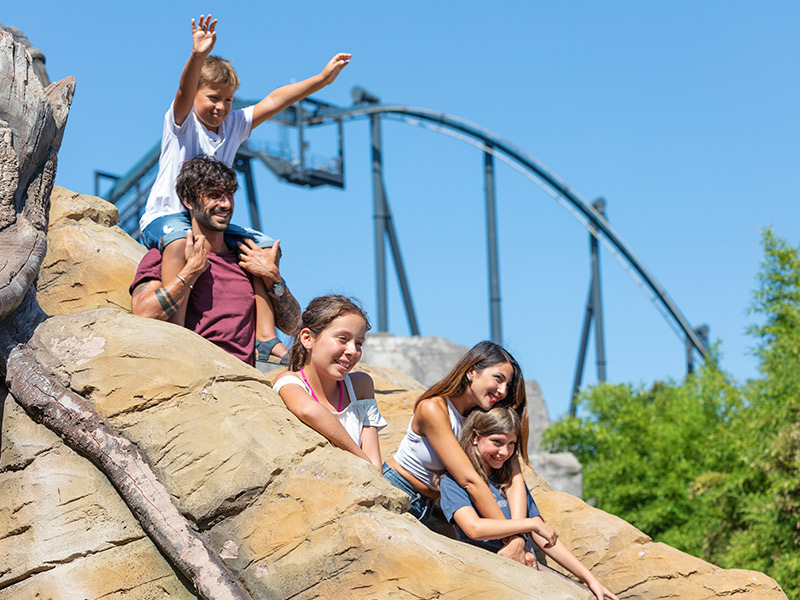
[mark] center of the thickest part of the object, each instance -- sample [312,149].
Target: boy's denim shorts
[421,506]
[168,228]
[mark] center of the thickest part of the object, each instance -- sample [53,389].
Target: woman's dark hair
[482,355]
[479,423]
[320,313]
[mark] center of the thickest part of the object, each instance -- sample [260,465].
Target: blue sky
[683,115]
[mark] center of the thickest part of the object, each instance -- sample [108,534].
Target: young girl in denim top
[490,441]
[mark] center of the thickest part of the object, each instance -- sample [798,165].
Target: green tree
[644,449]
[770,535]
[707,465]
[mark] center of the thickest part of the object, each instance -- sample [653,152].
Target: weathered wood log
[37,56]
[31,128]
[76,422]
[32,123]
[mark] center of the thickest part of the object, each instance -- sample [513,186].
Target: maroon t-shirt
[221,307]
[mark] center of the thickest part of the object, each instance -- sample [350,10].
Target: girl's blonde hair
[320,313]
[482,355]
[479,423]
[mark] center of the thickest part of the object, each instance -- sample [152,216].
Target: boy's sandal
[264,348]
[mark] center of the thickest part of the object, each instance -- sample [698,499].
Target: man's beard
[204,219]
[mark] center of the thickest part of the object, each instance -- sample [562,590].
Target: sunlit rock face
[292,516]
[89,262]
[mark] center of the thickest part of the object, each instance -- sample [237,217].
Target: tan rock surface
[327,541]
[629,562]
[89,262]
[237,461]
[64,531]
[292,516]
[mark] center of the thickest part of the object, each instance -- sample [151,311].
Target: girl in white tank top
[317,387]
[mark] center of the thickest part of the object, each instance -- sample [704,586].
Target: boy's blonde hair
[218,71]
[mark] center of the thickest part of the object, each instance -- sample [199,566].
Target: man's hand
[334,67]
[196,255]
[261,262]
[203,35]
[515,550]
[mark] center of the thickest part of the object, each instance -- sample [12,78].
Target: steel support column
[491,240]
[380,217]
[301,143]
[243,166]
[702,333]
[594,312]
[587,323]
[394,244]
[597,301]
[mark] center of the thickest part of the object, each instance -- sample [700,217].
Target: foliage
[707,465]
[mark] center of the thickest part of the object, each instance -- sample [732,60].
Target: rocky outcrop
[290,515]
[37,56]
[161,467]
[32,122]
[89,262]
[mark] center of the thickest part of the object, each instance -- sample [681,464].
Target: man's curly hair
[204,174]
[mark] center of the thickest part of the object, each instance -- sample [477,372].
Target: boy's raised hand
[334,67]
[203,35]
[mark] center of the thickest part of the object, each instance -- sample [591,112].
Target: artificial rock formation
[81,227]
[241,494]
[291,516]
[32,122]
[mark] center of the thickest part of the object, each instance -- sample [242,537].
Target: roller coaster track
[597,225]
[488,142]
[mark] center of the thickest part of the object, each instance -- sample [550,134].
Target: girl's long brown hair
[482,355]
[499,419]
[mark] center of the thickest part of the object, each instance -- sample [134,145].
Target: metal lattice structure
[129,193]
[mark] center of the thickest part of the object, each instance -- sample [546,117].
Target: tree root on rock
[76,422]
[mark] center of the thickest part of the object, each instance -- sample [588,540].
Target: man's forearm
[286,309]
[155,301]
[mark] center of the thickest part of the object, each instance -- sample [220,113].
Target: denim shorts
[421,506]
[169,228]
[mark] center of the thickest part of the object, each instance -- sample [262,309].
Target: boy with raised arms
[200,122]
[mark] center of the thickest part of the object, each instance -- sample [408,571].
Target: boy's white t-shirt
[189,140]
